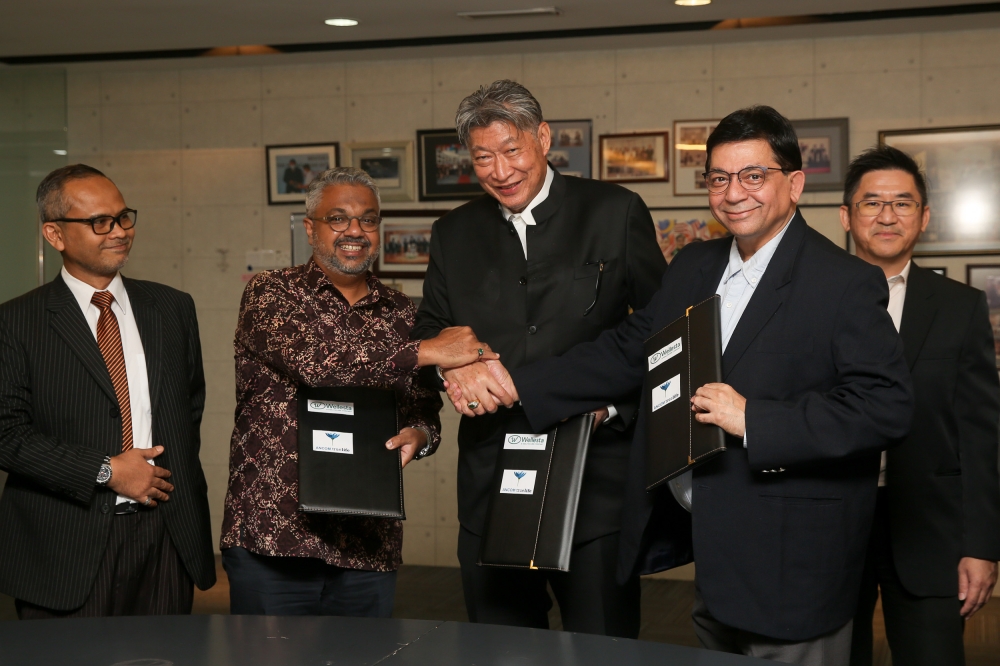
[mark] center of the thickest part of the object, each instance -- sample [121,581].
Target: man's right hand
[475,383]
[133,477]
[454,347]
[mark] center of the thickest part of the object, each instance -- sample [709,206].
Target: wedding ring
[474,404]
[148,501]
[481,352]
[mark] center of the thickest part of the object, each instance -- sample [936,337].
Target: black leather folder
[535,493]
[344,467]
[681,358]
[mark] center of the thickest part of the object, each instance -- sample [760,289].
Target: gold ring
[473,405]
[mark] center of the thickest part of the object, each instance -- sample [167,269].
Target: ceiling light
[60,152]
[341,22]
[511,13]
[692,3]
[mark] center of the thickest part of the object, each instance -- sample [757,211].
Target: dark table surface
[235,640]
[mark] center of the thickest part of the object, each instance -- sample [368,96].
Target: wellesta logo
[317,405]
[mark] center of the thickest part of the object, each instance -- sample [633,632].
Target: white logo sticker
[665,354]
[525,442]
[518,482]
[667,392]
[333,442]
[330,407]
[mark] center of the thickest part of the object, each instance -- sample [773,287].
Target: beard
[107,265]
[328,257]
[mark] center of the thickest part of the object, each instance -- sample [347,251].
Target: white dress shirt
[524,218]
[737,287]
[897,295]
[135,359]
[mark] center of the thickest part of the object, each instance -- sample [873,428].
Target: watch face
[104,475]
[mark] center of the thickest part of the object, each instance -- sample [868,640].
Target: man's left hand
[976,579]
[409,441]
[721,405]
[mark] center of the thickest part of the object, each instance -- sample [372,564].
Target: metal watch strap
[104,472]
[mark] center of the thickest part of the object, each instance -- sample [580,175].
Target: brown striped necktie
[109,339]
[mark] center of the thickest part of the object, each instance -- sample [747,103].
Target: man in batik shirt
[329,322]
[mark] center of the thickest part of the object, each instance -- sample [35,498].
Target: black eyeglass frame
[329,220]
[737,174]
[115,220]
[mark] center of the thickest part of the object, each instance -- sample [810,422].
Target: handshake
[475,379]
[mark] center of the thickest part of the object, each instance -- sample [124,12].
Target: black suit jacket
[941,482]
[531,310]
[821,366]
[59,418]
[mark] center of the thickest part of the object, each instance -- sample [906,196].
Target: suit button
[513,231]
[114,413]
[523,280]
[532,330]
[105,508]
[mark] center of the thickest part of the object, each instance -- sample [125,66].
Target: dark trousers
[140,574]
[590,598]
[264,585]
[920,630]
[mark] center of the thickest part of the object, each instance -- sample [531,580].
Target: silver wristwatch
[104,473]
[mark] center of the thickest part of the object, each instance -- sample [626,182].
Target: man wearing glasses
[328,322]
[105,511]
[935,540]
[815,387]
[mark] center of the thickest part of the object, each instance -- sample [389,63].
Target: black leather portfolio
[534,497]
[681,358]
[344,467]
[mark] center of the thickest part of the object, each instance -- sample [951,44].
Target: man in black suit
[815,387]
[536,265]
[105,511]
[935,541]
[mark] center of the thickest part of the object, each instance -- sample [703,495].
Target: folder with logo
[344,467]
[535,493]
[681,358]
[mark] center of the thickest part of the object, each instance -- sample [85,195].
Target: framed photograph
[290,169]
[962,165]
[389,163]
[690,137]
[677,227]
[826,152]
[445,167]
[940,270]
[571,151]
[406,243]
[987,278]
[635,158]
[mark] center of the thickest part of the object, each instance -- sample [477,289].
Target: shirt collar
[904,275]
[543,194]
[84,293]
[755,266]
[318,281]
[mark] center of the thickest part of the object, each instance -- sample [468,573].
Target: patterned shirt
[296,328]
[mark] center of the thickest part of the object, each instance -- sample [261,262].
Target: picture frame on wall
[444,167]
[678,227]
[987,278]
[406,243]
[690,137]
[962,166]
[291,167]
[826,152]
[641,157]
[572,142]
[389,163]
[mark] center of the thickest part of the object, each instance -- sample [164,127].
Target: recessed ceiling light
[59,152]
[692,3]
[341,22]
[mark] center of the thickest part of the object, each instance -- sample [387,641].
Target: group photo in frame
[571,151]
[962,166]
[405,237]
[444,167]
[291,167]
[987,278]
[690,156]
[640,157]
[825,147]
[389,163]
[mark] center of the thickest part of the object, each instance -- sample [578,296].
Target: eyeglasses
[103,224]
[342,222]
[751,178]
[874,208]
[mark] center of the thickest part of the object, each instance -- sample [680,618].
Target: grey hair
[338,176]
[505,101]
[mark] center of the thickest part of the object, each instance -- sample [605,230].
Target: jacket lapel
[69,323]
[767,298]
[918,313]
[148,321]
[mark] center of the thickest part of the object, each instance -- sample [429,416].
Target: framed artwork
[291,167]
[406,243]
[571,151]
[445,167]
[677,227]
[389,163]
[635,158]
[690,137]
[962,165]
[826,152]
[987,278]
